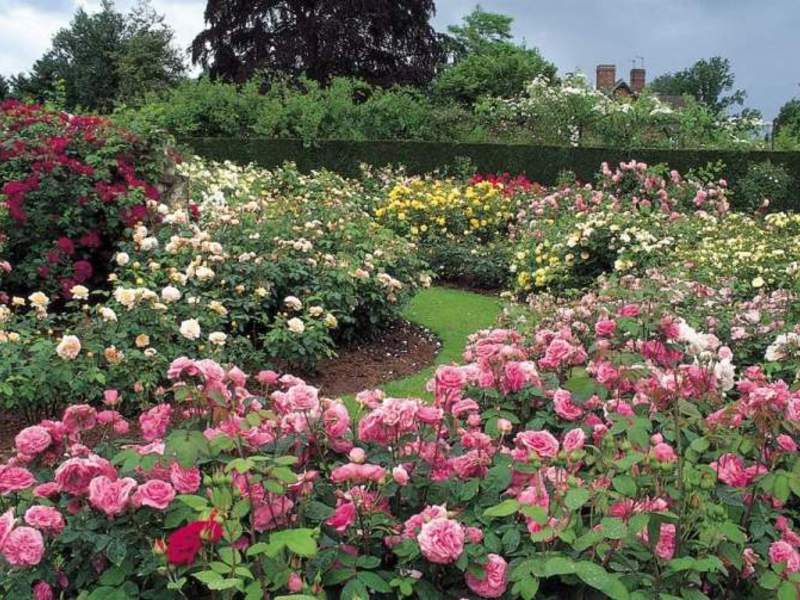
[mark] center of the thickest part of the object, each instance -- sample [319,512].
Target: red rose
[183,544]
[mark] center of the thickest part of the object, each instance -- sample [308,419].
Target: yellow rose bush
[462,228]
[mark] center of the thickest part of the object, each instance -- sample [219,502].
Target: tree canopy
[485,61]
[104,58]
[707,81]
[383,42]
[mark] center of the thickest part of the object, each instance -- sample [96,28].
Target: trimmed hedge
[539,163]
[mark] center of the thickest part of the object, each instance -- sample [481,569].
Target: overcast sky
[760,37]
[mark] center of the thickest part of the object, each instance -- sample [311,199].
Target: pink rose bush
[550,460]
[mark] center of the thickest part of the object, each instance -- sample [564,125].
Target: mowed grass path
[452,315]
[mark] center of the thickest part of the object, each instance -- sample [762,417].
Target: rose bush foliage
[69,185]
[627,453]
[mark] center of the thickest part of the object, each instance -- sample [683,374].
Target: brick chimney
[606,77]
[637,80]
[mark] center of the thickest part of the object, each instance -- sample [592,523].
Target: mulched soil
[401,350]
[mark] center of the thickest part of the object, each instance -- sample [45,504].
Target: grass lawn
[452,315]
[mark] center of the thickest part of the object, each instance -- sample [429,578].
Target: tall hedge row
[539,163]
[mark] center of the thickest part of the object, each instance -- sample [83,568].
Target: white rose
[190,329]
[108,315]
[293,302]
[217,338]
[170,294]
[39,300]
[69,347]
[122,259]
[79,292]
[296,325]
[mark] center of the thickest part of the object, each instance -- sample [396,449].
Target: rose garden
[226,380]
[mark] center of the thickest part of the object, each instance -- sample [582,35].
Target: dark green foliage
[767,181]
[538,163]
[280,107]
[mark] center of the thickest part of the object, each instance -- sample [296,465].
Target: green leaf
[299,541]
[592,574]
[527,588]
[558,565]
[355,589]
[374,582]
[613,528]
[769,580]
[576,497]
[505,508]
[787,591]
[581,386]
[624,484]
[511,539]
[198,503]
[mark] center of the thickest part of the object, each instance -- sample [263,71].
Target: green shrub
[766,182]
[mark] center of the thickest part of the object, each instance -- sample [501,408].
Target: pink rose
[665,548]
[786,443]
[664,453]
[449,377]
[473,535]
[43,591]
[564,407]
[14,479]
[271,513]
[186,481]
[629,310]
[33,440]
[267,377]
[6,524]
[356,473]
[730,469]
[23,547]
[504,426]
[357,455]
[542,443]
[574,440]
[74,474]
[79,417]
[336,419]
[46,490]
[154,493]
[441,540]
[400,475]
[782,552]
[110,397]
[154,422]
[343,516]
[295,583]
[605,327]
[303,398]
[494,582]
[110,496]
[45,518]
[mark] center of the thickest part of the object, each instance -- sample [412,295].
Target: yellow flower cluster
[425,208]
